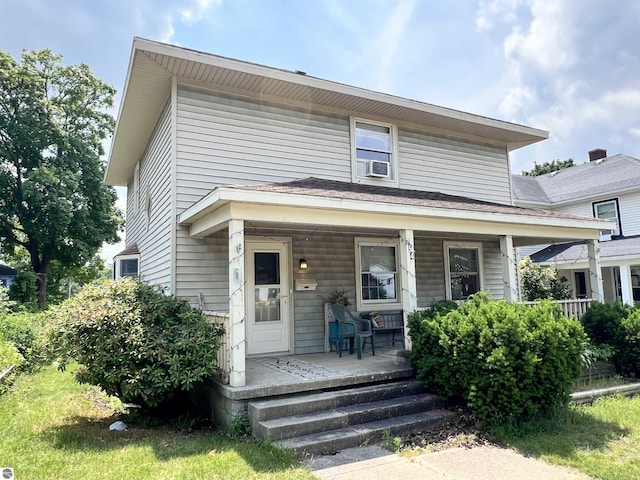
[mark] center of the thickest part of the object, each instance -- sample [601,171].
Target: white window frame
[117,265]
[393,155]
[447,266]
[616,231]
[377,304]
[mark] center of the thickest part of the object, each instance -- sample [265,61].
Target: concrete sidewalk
[479,463]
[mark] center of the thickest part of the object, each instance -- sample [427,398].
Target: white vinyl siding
[454,167]
[630,213]
[151,230]
[233,140]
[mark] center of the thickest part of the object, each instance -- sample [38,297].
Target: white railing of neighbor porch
[574,308]
[224,365]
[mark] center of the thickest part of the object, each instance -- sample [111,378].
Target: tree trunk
[41,284]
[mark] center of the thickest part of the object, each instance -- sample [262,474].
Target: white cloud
[197,10]
[491,12]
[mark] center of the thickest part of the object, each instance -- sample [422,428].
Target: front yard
[54,428]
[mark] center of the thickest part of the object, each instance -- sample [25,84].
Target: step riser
[359,436]
[262,411]
[349,416]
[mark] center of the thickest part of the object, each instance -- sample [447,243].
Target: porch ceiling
[154,65]
[341,204]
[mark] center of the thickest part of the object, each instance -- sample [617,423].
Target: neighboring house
[7,275]
[607,188]
[237,172]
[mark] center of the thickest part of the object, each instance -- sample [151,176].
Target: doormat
[296,368]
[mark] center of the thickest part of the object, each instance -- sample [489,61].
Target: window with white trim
[126,266]
[463,269]
[373,152]
[378,279]
[608,210]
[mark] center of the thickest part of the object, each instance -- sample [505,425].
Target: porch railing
[224,361]
[574,308]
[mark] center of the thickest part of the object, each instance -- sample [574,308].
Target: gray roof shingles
[591,179]
[577,251]
[355,191]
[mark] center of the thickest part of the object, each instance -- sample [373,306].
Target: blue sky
[568,66]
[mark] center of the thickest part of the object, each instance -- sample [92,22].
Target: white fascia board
[595,198]
[222,195]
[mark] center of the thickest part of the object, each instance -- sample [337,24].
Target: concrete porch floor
[285,374]
[280,375]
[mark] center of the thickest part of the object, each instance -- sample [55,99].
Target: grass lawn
[602,440]
[53,428]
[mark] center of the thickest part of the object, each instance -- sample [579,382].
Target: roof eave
[140,106]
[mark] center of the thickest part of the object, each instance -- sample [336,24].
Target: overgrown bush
[26,332]
[135,342]
[618,326]
[9,358]
[505,360]
[602,322]
[629,351]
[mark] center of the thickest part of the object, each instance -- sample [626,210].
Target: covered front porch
[347,233]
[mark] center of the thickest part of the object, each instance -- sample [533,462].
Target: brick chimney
[597,154]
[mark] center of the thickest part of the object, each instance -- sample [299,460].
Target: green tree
[53,121]
[549,167]
[540,282]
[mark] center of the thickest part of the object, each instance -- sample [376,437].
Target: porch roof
[575,253]
[307,201]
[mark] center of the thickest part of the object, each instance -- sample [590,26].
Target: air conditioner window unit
[376,168]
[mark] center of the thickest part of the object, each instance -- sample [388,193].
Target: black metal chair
[361,327]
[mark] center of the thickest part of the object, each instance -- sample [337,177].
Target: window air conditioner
[376,168]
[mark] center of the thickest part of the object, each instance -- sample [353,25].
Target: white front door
[268,290]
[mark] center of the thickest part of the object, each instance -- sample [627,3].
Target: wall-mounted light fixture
[303,264]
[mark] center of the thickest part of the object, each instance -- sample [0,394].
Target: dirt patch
[463,431]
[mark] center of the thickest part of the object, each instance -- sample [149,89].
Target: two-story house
[607,188]
[257,191]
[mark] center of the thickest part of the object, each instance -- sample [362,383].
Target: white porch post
[509,268]
[595,272]
[625,284]
[408,280]
[237,314]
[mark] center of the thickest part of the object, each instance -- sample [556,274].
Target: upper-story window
[374,157]
[608,210]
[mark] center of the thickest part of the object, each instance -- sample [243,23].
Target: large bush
[505,360]
[618,326]
[135,342]
[26,332]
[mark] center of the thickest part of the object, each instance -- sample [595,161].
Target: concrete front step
[313,402]
[332,441]
[329,421]
[344,416]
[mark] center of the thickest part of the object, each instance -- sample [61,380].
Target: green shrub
[135,342]
[629,350]
[9,356]
[505,360]
[26,332]
[602,322]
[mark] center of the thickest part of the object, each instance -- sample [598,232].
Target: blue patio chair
[339,333]
[361,327]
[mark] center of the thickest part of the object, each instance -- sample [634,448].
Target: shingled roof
[355,191]
[576,251]
[611,174]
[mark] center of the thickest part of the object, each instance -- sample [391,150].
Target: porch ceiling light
[303,264]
